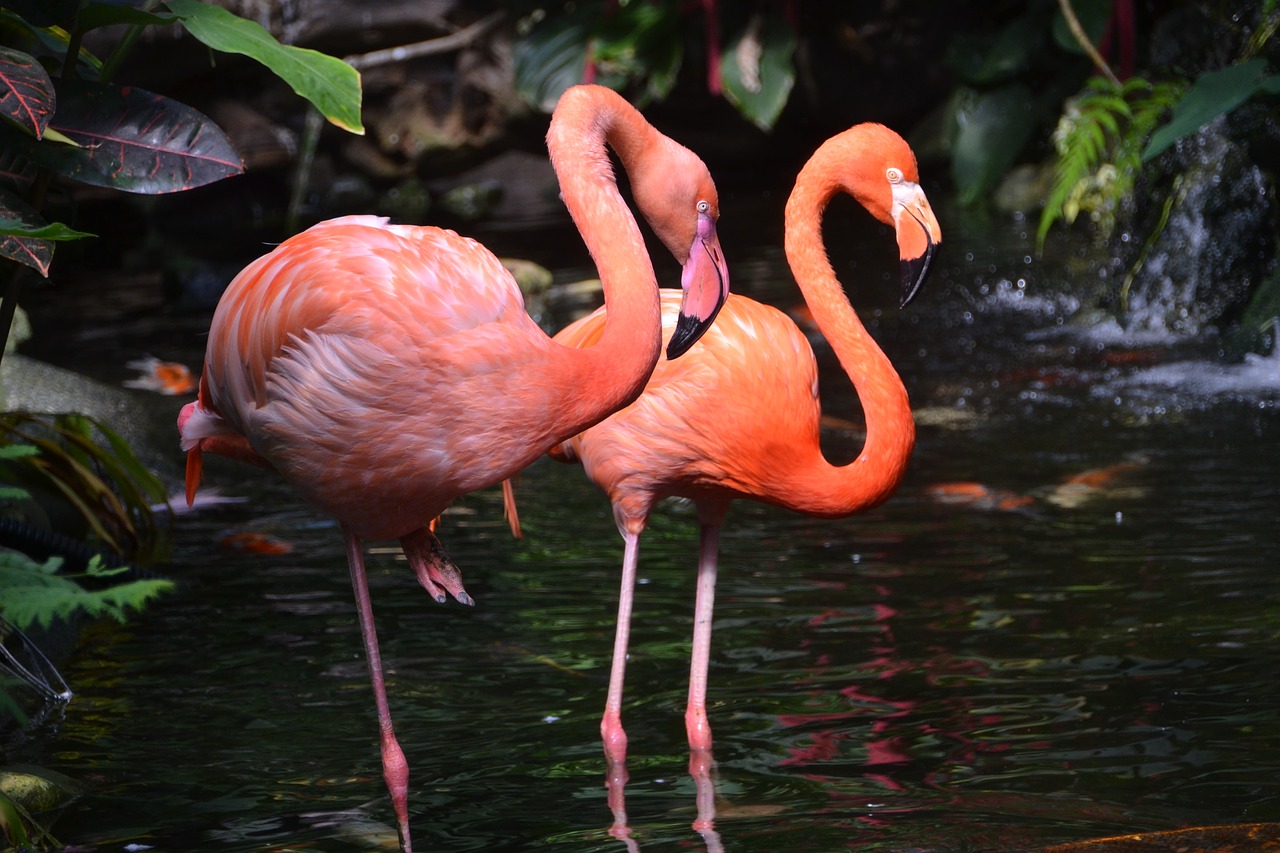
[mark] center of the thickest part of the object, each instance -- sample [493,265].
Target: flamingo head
[675,193]
[918,233]
[882,174]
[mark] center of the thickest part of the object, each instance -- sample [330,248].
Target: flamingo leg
[611,731]
[395,769]
[695,715]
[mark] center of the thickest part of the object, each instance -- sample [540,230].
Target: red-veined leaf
[137,141]
[33,252]
[26,92]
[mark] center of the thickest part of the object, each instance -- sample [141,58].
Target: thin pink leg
[611,731]
[695,715]
[395,769]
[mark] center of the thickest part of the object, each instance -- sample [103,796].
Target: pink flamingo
[739,416]
[384,370]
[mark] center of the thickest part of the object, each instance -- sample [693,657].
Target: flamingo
[738,417]
[384,370]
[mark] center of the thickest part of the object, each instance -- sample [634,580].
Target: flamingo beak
[918,237]
[705,282]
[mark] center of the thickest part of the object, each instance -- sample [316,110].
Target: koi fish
[164,377]
[255,543]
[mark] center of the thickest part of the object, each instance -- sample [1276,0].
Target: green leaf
[34,594]
[12,826]
[638,43]
[51,231]
[330,84]
[991,129]
[551,58]
[1213,94]
[107,486]
[757,70]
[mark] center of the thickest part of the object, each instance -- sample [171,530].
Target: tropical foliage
[77,465]
[638,48]
[1099,143]
[54,466]
[65,118]
[39,593]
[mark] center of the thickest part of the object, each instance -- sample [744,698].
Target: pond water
[1063,625]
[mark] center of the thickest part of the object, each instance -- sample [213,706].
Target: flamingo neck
[603,378]
[819,488]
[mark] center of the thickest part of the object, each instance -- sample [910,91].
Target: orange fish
[1100,477]
[1096,484]
[164,377]
[255,543]
[978,496]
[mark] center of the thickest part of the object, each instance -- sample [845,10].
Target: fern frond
[34,594]
[1099,141]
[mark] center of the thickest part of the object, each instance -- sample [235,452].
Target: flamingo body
[342,388]
[668,444]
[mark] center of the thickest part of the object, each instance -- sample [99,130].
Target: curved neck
[817,487]
[603,378]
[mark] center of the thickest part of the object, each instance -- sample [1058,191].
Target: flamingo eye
[704,206]
[894,175]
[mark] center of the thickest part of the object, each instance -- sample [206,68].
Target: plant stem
[1082,38]
[124,47]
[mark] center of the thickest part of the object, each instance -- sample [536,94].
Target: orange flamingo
[384,370]
[739,416]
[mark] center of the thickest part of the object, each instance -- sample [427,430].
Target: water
[1085,648]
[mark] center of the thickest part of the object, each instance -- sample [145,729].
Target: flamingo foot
[436,572]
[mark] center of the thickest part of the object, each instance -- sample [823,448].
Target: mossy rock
[37,789]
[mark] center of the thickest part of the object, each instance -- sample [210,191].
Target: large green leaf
[991,129]
[757,70]
[984,59]
[1213,94]
[551,58]
[129,139]
[330,84]
[637,50]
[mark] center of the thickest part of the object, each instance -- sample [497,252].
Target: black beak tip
[688,331]
[914,272]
